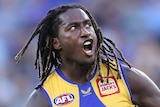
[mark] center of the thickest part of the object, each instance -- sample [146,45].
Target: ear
[56,44]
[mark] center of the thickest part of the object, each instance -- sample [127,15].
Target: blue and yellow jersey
[61,92]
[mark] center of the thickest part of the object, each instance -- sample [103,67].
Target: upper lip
[89,39]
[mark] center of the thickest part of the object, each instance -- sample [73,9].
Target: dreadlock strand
[107,61]
[117,65]
[47,68]
[21,52]
[114,55]
[120,53]
[98,65]
[123,58]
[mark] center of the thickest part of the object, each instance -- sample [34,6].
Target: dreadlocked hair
[47,57]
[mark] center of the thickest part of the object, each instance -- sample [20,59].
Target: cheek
[97,42]
[96,39]
[68,37]
[68,42]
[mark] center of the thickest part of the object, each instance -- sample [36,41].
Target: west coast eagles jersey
[61,92]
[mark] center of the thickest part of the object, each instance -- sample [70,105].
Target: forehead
[73,15]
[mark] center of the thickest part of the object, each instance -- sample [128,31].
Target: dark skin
[75,29]
[145,92]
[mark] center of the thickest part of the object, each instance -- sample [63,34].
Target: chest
[94,93]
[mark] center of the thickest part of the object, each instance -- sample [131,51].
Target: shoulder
[145,92]
[37,99]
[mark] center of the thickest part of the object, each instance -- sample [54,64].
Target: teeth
[87,43]
[87,47]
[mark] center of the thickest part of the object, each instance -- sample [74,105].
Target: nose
[84,32]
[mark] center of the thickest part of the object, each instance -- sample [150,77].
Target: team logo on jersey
[64,99]
[109,88]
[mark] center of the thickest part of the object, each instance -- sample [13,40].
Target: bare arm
[37,99]
[145,92]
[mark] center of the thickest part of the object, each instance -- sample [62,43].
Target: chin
[89,62]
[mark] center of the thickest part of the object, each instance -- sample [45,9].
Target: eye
[88,25]
[72,28]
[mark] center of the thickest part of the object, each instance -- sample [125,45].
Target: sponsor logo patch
[64,99]
[109,88]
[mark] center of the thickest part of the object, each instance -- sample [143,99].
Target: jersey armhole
[47,96]
[126,81]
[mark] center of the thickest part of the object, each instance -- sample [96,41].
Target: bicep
[145,92]
[37,99]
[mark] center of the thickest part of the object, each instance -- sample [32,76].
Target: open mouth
[87,45]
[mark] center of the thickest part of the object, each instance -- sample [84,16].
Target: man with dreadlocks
[89,70]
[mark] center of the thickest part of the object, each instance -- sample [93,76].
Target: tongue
[88,52]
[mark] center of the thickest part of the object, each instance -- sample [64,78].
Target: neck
[78,73]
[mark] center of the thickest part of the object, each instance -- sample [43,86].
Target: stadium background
[134,25]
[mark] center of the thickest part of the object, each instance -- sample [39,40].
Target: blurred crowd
[134,25]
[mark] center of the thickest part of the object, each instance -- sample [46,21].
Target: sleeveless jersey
[61,92]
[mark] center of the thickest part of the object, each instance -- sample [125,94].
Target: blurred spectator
[147,58]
